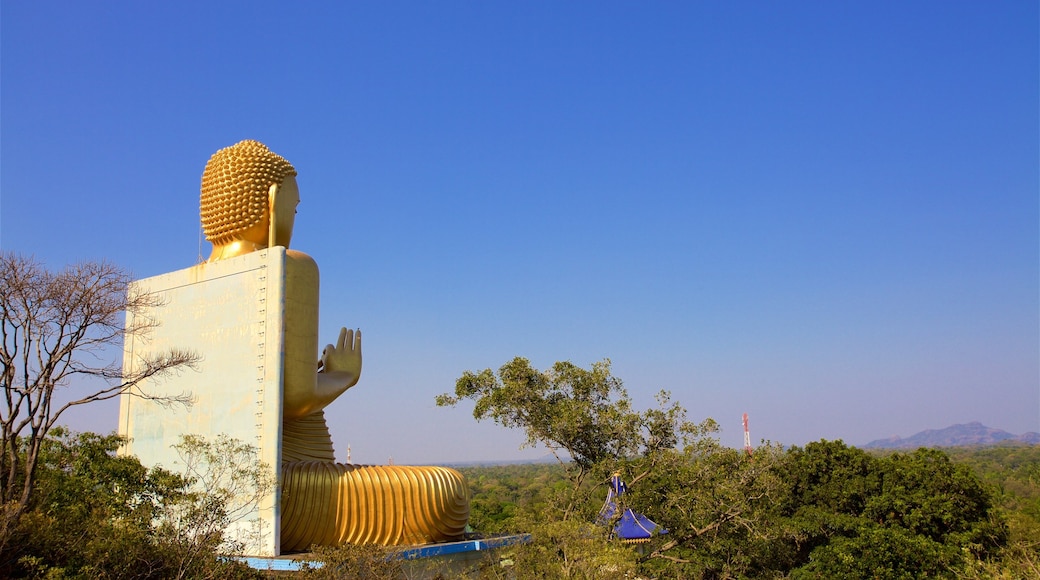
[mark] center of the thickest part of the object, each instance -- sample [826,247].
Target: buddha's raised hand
[338,370]
[343,359]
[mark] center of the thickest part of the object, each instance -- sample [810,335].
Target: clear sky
[824,214]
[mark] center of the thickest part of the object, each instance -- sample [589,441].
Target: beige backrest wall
[230,312]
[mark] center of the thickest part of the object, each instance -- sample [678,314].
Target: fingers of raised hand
[348,343]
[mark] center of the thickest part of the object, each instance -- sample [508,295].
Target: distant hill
[956,436]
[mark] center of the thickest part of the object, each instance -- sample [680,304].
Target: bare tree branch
[55,328]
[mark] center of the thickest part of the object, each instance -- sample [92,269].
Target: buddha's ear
[272,195]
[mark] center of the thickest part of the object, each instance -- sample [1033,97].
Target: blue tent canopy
[631,527]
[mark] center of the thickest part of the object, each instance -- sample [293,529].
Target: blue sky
[822,214]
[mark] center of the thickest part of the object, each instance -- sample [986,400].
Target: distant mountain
[956,436]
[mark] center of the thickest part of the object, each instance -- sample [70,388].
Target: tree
[929,495]
[897,516]
[98,514]
[884,553]
[91,511]
[57,329]
[585,414]
[719,508]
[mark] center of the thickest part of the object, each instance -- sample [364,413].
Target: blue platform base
[436,556]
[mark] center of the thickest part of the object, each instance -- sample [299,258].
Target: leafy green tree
[97,514]
[92,510]
[901,515]
[832,476]
[829,485]
[585,413]
[891,553]
[581,415]
[719,508]
[927,494]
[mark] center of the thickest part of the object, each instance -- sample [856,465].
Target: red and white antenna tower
[747,437]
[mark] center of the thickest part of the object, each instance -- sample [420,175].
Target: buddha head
[248,201]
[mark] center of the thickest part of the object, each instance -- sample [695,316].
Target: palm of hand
[345,356]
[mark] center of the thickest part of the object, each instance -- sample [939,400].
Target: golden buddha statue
[248,203]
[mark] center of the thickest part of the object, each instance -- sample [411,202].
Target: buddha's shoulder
[298,256]
[300,261]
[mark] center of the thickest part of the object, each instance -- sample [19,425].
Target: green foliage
[719,507]
[1014,471]
[827,510]
[92,510]
[500,493]
[582,415]
[884,553]
[831,476]
[585,412]
[94,514]
[570,549]
[911,512]
[927,494]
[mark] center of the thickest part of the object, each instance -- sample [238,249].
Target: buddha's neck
[235,248]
